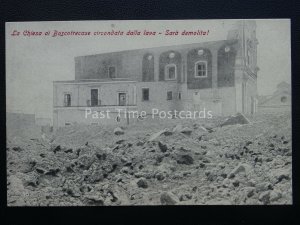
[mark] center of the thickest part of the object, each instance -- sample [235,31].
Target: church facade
[220,76]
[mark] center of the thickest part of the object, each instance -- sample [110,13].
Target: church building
[220,76]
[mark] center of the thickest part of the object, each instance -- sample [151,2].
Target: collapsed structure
[220,76]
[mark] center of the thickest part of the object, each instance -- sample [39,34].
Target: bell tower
[246,65]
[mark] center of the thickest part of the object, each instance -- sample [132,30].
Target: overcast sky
[32,63]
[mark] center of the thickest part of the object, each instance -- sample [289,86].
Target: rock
[275,195]
[177,128]
[168,198]
[236,183]
[118,131]
[120,141]
[162,147]
[239,118]
[30,179]
[241,167]
[249,191]
[263,186]
[184,159]
[71,188]
[159,176]
[95,175]
[201,128]
[252,201]
[186,131]
[265,197]
[140,143]
[17,149]
[94,199]
[185,196]
[28,165]
[211,175]
[282,174]
[142,183]
[156,135]
[85,161]
[56,149]
[125,169]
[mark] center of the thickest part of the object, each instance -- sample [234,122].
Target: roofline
[180,46]
[92,81]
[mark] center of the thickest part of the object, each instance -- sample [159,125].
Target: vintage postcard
[149,112]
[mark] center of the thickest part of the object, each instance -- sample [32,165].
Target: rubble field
[218,161]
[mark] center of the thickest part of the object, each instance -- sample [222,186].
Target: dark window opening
[169,95]
[67,100]
[201,70]
[94,97]
[122,99]
[112,72]
[145,94]
[170,72]
[179,95]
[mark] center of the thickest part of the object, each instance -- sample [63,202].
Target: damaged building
[220,76]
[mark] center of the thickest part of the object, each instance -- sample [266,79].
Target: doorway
[122,99]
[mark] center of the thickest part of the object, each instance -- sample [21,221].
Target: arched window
[170,72]
[201,69]
[67,100]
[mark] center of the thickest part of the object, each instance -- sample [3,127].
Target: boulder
[158,134]
[120,141]
[85,161]
[162,147]
[241,167]
[186,131]
[184,159]
[263,186]
[265,197]
[275,195]
[177,128]
[118,131]
[249,191]
[168,198]
[142,183]
[94,199]
[239,118]
[201,128]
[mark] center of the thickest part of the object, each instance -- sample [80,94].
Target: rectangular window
[179,95]
[94,97]
[112,72]
[67,100]
[170,72]
[201,69]
[67,124]
[145,94]
[169,95]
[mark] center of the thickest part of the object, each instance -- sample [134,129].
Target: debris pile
[177,162]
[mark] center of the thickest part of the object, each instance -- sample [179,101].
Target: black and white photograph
[149,112]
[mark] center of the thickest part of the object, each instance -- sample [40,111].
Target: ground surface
[205,164]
